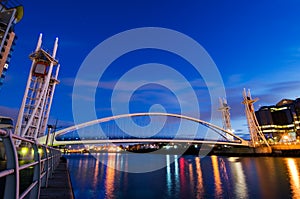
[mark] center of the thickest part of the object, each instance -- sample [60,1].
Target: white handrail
[43,159]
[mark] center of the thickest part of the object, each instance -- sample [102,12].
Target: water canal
[102,176]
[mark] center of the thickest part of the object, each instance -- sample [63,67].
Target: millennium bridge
[136,134]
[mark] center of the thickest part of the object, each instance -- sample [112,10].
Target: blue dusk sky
[254,44]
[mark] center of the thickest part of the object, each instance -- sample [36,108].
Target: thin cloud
[127,85]
[9,112]
[71,81]
[82,97]
[235,79]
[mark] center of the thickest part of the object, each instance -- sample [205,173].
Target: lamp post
[49,132]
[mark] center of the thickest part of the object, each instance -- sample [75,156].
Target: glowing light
[5,66]
[294,177]
[40,151]
[24,151]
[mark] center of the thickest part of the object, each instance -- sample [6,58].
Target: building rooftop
[12,4]
[284,102]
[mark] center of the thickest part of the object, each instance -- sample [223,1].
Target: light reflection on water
[217,178]
[169,177]
[176,168]
[199,182]
[186,177]
[293,170]
[240,189]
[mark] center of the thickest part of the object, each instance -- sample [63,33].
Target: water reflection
[240,186]
[169,177]
[110,176]
[176,168]
[268,174]
[294,176]
[96,173]
[191,177]
[217,178]
[199,184]
[182,179]
[186,177]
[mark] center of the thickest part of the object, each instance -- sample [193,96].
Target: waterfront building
[10,14]
[280,122]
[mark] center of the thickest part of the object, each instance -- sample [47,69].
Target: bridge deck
[59,185]
[146,140]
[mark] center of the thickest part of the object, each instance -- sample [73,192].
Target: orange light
[286,137]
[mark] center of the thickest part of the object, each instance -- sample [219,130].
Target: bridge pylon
[42,79]
[224,108]
[253,125]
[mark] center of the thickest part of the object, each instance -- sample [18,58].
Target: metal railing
[26,166]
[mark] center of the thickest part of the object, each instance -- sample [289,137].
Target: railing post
[58,155]
[48,164]
[12,181]
[50,170]
[35,192]
[46,168]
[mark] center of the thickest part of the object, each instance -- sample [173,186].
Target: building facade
[280,122]
[10,14]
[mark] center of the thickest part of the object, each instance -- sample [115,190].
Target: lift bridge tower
[35,108]
[224,108]
[255,132]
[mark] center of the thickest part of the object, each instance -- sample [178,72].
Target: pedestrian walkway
[59,185]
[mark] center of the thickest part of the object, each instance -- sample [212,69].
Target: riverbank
[219,150]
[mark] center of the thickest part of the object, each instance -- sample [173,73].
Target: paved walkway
[59,185]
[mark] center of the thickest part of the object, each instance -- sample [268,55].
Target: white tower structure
[37,100]
[254,130]
[224,108]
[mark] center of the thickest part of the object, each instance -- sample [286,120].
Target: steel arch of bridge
[215,128]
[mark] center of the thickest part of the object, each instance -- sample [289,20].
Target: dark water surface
[185,177]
